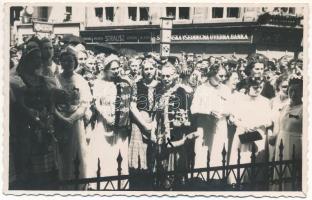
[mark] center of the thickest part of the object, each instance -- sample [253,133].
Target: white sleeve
[199,103]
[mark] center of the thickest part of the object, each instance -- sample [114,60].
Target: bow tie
[293,116]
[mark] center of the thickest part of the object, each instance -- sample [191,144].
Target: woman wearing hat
[111,134]
[70,115]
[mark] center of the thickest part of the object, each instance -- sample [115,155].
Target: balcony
[280,20]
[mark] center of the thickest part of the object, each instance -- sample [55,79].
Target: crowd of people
[158,113]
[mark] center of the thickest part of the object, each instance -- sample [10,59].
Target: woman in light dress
[210,108]
[70,115]
[253,114]
[289,129]
[278,103]
[235,100]
[105,142]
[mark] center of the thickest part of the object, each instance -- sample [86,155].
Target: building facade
[198,29]
[65,20]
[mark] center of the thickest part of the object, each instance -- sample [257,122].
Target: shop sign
[42,27]
[117,38]
[155,37]
[209,37]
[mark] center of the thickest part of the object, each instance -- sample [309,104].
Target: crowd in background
[158,113]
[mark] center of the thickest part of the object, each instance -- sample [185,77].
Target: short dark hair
[251,65]
[213,69]
[279,80]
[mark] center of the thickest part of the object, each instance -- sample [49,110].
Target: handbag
[248,137]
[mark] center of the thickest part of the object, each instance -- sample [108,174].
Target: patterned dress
[140,144]
[173,119]
[36,151]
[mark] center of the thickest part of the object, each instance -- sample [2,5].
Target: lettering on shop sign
[174,37]
[114,38]
[208,37]
[42,27]
[117,38]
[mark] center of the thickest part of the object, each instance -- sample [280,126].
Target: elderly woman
[210,109]
[70,115]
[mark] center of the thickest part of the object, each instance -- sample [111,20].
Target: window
[284,9]
[15,13]
[43,14]
[217,12]
[132,13]
[292,10]
[68,13]
[109,13]
[171,12]
[232,12]
[99,13]
[69,9]
[184,13]
[144,13]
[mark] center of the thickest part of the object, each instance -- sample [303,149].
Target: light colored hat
[71,49]
[110,59]
[80,47]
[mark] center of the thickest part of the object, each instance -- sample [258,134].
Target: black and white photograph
[179,97]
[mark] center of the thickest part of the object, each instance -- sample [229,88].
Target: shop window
[132,13]
[109,13]
[68,13]
[144,13]
[232,12]
[184,13]
[99,13]
[171,12]
[217,12]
